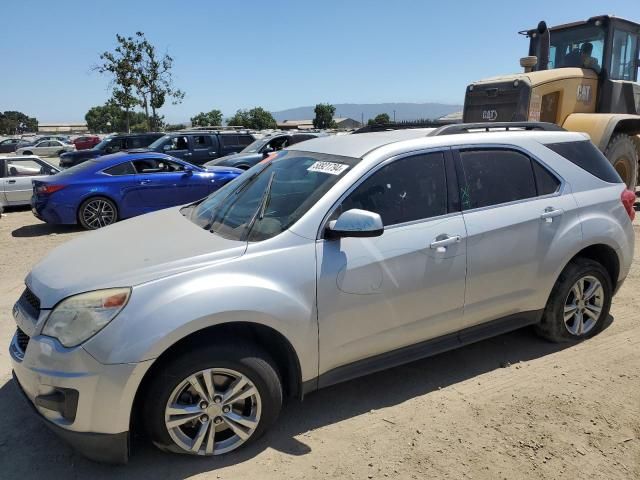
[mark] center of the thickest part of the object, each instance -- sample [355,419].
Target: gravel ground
[512,407]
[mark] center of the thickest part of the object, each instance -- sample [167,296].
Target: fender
[601,126]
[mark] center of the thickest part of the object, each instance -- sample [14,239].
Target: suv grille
[22,340]
[30,302]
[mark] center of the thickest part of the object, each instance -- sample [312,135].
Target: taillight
[628,199]
[48,189]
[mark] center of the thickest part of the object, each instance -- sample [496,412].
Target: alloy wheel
[583,306]
[213,411]
[98,213]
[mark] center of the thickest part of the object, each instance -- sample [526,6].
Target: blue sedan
[102,191]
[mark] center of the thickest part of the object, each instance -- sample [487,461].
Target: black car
[260,149]
[11,144]
[199,147]
[111,144]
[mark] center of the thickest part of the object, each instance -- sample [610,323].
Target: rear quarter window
[585,155]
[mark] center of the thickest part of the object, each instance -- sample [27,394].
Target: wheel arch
[605,255]
[263,336]
[97,195]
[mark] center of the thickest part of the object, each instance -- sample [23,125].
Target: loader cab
[613,46]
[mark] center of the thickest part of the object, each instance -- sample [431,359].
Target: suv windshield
[103,144]
[256,145]
[270,197]
[159,142]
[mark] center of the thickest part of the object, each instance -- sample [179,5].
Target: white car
[16,174]
[46,148]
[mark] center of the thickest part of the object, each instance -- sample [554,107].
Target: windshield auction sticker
[328,167]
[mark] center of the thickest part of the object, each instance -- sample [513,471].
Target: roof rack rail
[383,127]
[488,126]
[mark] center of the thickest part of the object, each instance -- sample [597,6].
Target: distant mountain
[404,111]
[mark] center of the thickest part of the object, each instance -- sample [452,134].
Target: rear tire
[60,152]
[568,317]
[623,155]
[27,152]
[224,423]
[97,212]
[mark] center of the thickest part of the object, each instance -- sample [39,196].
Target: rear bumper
[53,212]
[100,447]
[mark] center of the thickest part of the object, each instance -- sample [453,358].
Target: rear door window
[493,177]
[585,155]
[201,141]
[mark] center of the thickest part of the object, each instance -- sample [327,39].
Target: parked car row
[46,148]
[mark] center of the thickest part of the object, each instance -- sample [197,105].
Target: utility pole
[362,119]
[394,116]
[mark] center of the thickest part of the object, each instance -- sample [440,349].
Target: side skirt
[423,349]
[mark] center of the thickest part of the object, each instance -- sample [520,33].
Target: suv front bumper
[85,402]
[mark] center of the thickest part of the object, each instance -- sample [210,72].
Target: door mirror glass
[356,223]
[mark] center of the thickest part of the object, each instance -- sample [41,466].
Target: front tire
[623,155]
[97,212]
[27,152]
[579,303]
[212,400]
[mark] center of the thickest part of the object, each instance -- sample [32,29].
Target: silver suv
[350,255]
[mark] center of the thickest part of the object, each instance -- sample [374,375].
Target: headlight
[79,317]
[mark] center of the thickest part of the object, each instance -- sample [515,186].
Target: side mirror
[166,147]
[188,170]
[267,151]
[355,223]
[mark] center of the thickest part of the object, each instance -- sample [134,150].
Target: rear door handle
[11,181]
[188,154]
[550,213]
[443,241]
[212,153]
[145,182]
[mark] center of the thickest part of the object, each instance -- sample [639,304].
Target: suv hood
[128,253]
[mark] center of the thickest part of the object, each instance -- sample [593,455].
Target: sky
[276,54]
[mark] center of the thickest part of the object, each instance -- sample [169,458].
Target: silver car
[353,254]
[16,174]
[46,148]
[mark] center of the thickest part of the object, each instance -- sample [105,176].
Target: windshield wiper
[266,199]
[264,203]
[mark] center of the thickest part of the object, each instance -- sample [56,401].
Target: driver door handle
[145,182]
[443,241]
[11,181]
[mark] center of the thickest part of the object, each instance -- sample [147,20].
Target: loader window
[624,55]
[581,47]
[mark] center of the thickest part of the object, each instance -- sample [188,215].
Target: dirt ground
[512,407]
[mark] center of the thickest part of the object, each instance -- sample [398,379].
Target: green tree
[109,118]
[139,77]
[257,118]
[324,115]
[155,84]
[379,119]
[121,65]
[202,119]
[12,122]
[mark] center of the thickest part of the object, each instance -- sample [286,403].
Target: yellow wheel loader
[582,76]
